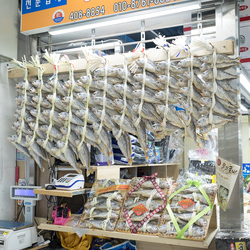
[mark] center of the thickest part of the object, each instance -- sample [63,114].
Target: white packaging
[226,175]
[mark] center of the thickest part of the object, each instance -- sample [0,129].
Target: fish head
[160,109]
[33,90]
[52,83]
[63,115]
[100,84]
[159,95]
[59,136]
[81,95]
[118,87]
[187,75]
[79,83]
[63,130]
[204,59]
[162,78]
[202,122]
[95,125]
[60,144]
[17,124]
[97,94]
[30,119]
[49,97]
[35,98]
[77,142]
[137,85]
[14,128]
[36,83]
[18,85]
[160,66]
[16,115]
[135,107]
[204,67]
[138,77]
[40,141]
[137,93]
[66,100]
[185,90]
[68,84]
[140,62]
[178,133]
[28,138]
[44,128]
[203,110]
[112,71]
[33,104]
[54,150]
[206,93]
[97,112]
[120,72]
[18,111]
[10,139]
[46,112]
[97,99]
[32,125]
[30,131]
[119,103]
[34,112]
[80,112]
[157,127]
[206,100]
[116,118]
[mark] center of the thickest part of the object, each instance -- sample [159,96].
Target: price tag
[140,209]
[186,203]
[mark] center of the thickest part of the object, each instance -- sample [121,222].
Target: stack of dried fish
[103,207]
[141,203]
[61,117]
[185,206]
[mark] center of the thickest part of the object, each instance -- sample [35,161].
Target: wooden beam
[223,47]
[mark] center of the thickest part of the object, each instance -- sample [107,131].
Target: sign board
[40,14]
[226,175]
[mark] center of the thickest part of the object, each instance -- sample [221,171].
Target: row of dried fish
[189,106]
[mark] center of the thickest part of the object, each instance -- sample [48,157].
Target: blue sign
[246,176]
[29,6]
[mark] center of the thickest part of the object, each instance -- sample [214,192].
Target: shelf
[137,237]
[62,193]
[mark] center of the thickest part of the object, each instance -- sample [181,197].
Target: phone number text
[90,12]
[136,4]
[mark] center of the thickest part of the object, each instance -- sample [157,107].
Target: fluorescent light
[126,19]
[243,108]
[245,82]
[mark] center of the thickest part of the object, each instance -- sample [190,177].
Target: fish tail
[238,58]
[109,162]
[111,153]
[130,161]
[147,157]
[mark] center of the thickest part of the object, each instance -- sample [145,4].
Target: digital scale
[70,182]
[16,235]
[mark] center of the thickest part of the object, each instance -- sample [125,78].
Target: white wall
[8,28]
[7,150]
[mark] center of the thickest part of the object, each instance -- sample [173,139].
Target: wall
[7,150]
[8,28]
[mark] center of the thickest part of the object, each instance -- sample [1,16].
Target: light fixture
[126,18]
[243,108]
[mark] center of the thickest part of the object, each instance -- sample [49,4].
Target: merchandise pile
[182,97]
[151,206]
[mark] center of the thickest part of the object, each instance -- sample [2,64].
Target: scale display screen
[23,192]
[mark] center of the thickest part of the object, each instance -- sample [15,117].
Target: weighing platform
[17,235]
